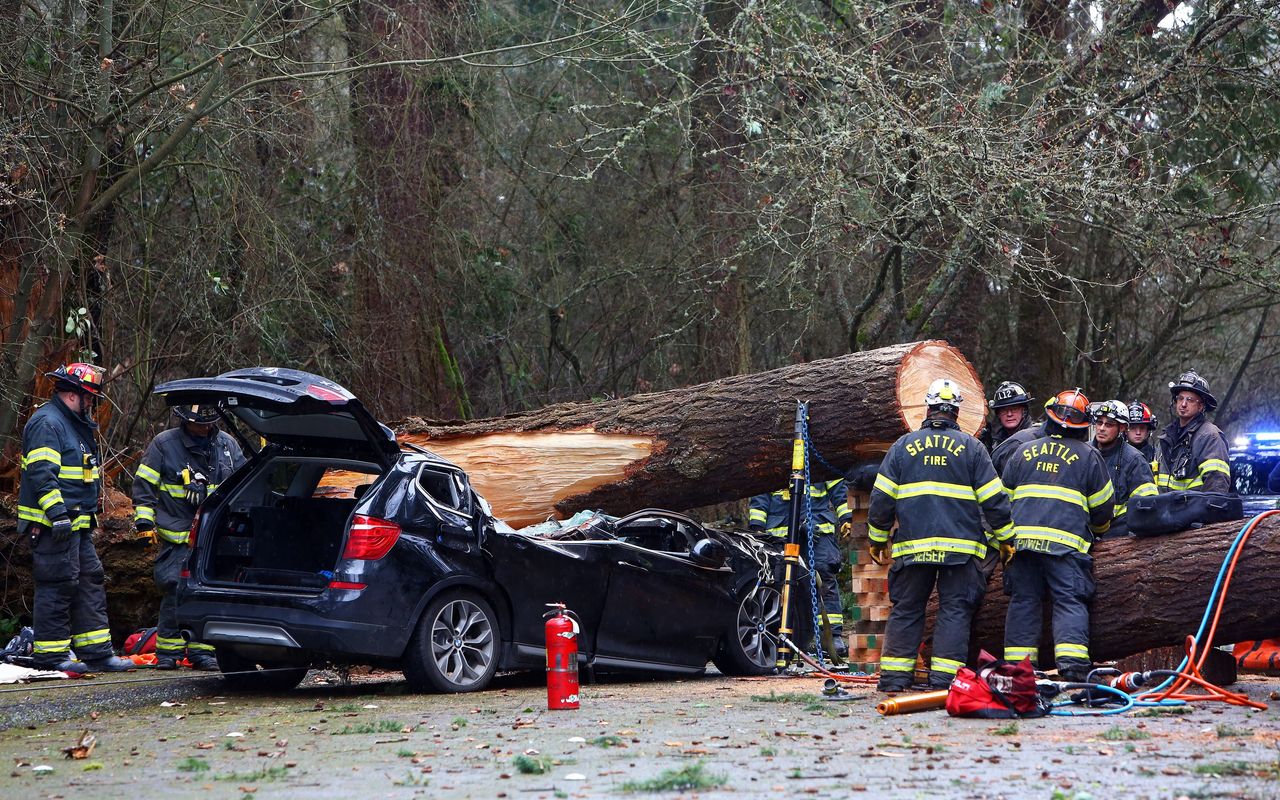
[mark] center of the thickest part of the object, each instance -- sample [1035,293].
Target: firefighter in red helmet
[58,496]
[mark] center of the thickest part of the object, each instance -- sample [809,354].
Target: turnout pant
[960,587]
[70,610]
[168,569]
[1068,581]
[828,560]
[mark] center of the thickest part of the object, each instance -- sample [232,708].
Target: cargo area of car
[286,526]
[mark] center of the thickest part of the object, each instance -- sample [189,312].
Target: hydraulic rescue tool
[791,551]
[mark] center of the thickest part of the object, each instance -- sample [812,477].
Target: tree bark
[1152,593]
[704,444]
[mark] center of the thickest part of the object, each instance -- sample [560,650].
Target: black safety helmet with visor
[197,414]
[1009,394]
[1190,381]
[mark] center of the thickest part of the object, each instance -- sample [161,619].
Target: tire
[749,646]
[456,645]
[243,674]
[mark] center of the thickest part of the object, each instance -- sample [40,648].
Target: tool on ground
[909,704]
[562,630]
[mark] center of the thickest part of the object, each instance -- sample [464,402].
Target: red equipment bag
[138,642]
[996,690]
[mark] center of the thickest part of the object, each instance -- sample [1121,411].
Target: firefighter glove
[846,530]
[197,489]
[1006,552]
[147,532]
[880,552]
[60,529]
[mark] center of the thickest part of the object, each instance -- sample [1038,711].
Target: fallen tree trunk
[1152,593]
[700,445]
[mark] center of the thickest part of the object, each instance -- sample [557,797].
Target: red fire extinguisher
[562,657]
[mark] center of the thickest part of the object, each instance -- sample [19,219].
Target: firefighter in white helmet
[937,484]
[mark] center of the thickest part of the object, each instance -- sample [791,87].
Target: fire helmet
[1111,409]
[1070,409]
[78,377]
[1010,394]
[198,414]
[1192,382]
[1140,414]
[944,395]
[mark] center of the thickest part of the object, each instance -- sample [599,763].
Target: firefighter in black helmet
[178,471]
[58,498]
[1142,424]
[938,485]
[1010,411]
[1193,451]
[1129,470]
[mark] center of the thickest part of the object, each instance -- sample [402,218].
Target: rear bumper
[288,626]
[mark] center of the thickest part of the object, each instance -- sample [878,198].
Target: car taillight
[370,538]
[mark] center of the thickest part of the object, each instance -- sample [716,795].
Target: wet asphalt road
[743,738]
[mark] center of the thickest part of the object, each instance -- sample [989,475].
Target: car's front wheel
[750,646]
[249,675]
[455,647]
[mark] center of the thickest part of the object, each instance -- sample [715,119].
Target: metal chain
[812,563]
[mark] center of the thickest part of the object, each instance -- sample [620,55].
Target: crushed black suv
[332,544]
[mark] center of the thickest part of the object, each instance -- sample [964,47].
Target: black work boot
[206,662]
[166,662]
[110,664]
[68,664]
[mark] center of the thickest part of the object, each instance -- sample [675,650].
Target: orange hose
[1191,675]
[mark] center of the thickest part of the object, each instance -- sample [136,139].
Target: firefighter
[1142,423]
[1061,498]
[937,484]
[1129,470]
[830,503]
[179,469]
[57,508]
[1011,408]
[1193,451]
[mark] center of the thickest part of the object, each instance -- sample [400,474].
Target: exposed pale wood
[700,445]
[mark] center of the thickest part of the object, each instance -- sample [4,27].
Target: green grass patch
[1229,768]
[263,775]
[405,752]
[532,765]
[1007,730]
[381,726]
[607,741]
[1117,734]
[1162,711]
[786,697]
[344,708]
[1226,731]
[690,777]
[192,764]
[768,752]
[459,722]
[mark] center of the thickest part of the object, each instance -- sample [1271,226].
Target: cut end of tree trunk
[927,362]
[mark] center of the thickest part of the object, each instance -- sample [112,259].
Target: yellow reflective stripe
[757,515]
[889,664]
[1004,532]
[834,619]
[167,643]
[884,484]
[174,490]
[42,454]
[1069,650]
[50,499]
[82,522]
[51,646]
[1119,510]
[826,527]
[1068,538]
[31,514]
[936,489]
[938,664]
[1046,491]
[71,473]
[989,490]
[1102,495]
[1144,490]
[1162,481]
[144,514]
[208,648]
[842,510]
[942,543]
[1019,653]
[90,637]
[148,474]
[877,534]
[177,537]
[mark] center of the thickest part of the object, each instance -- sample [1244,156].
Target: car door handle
[636,567]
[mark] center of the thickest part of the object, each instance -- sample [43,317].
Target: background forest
[467,209]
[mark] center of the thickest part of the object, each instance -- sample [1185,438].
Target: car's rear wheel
[750,647]
[455,647]
[252,675]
